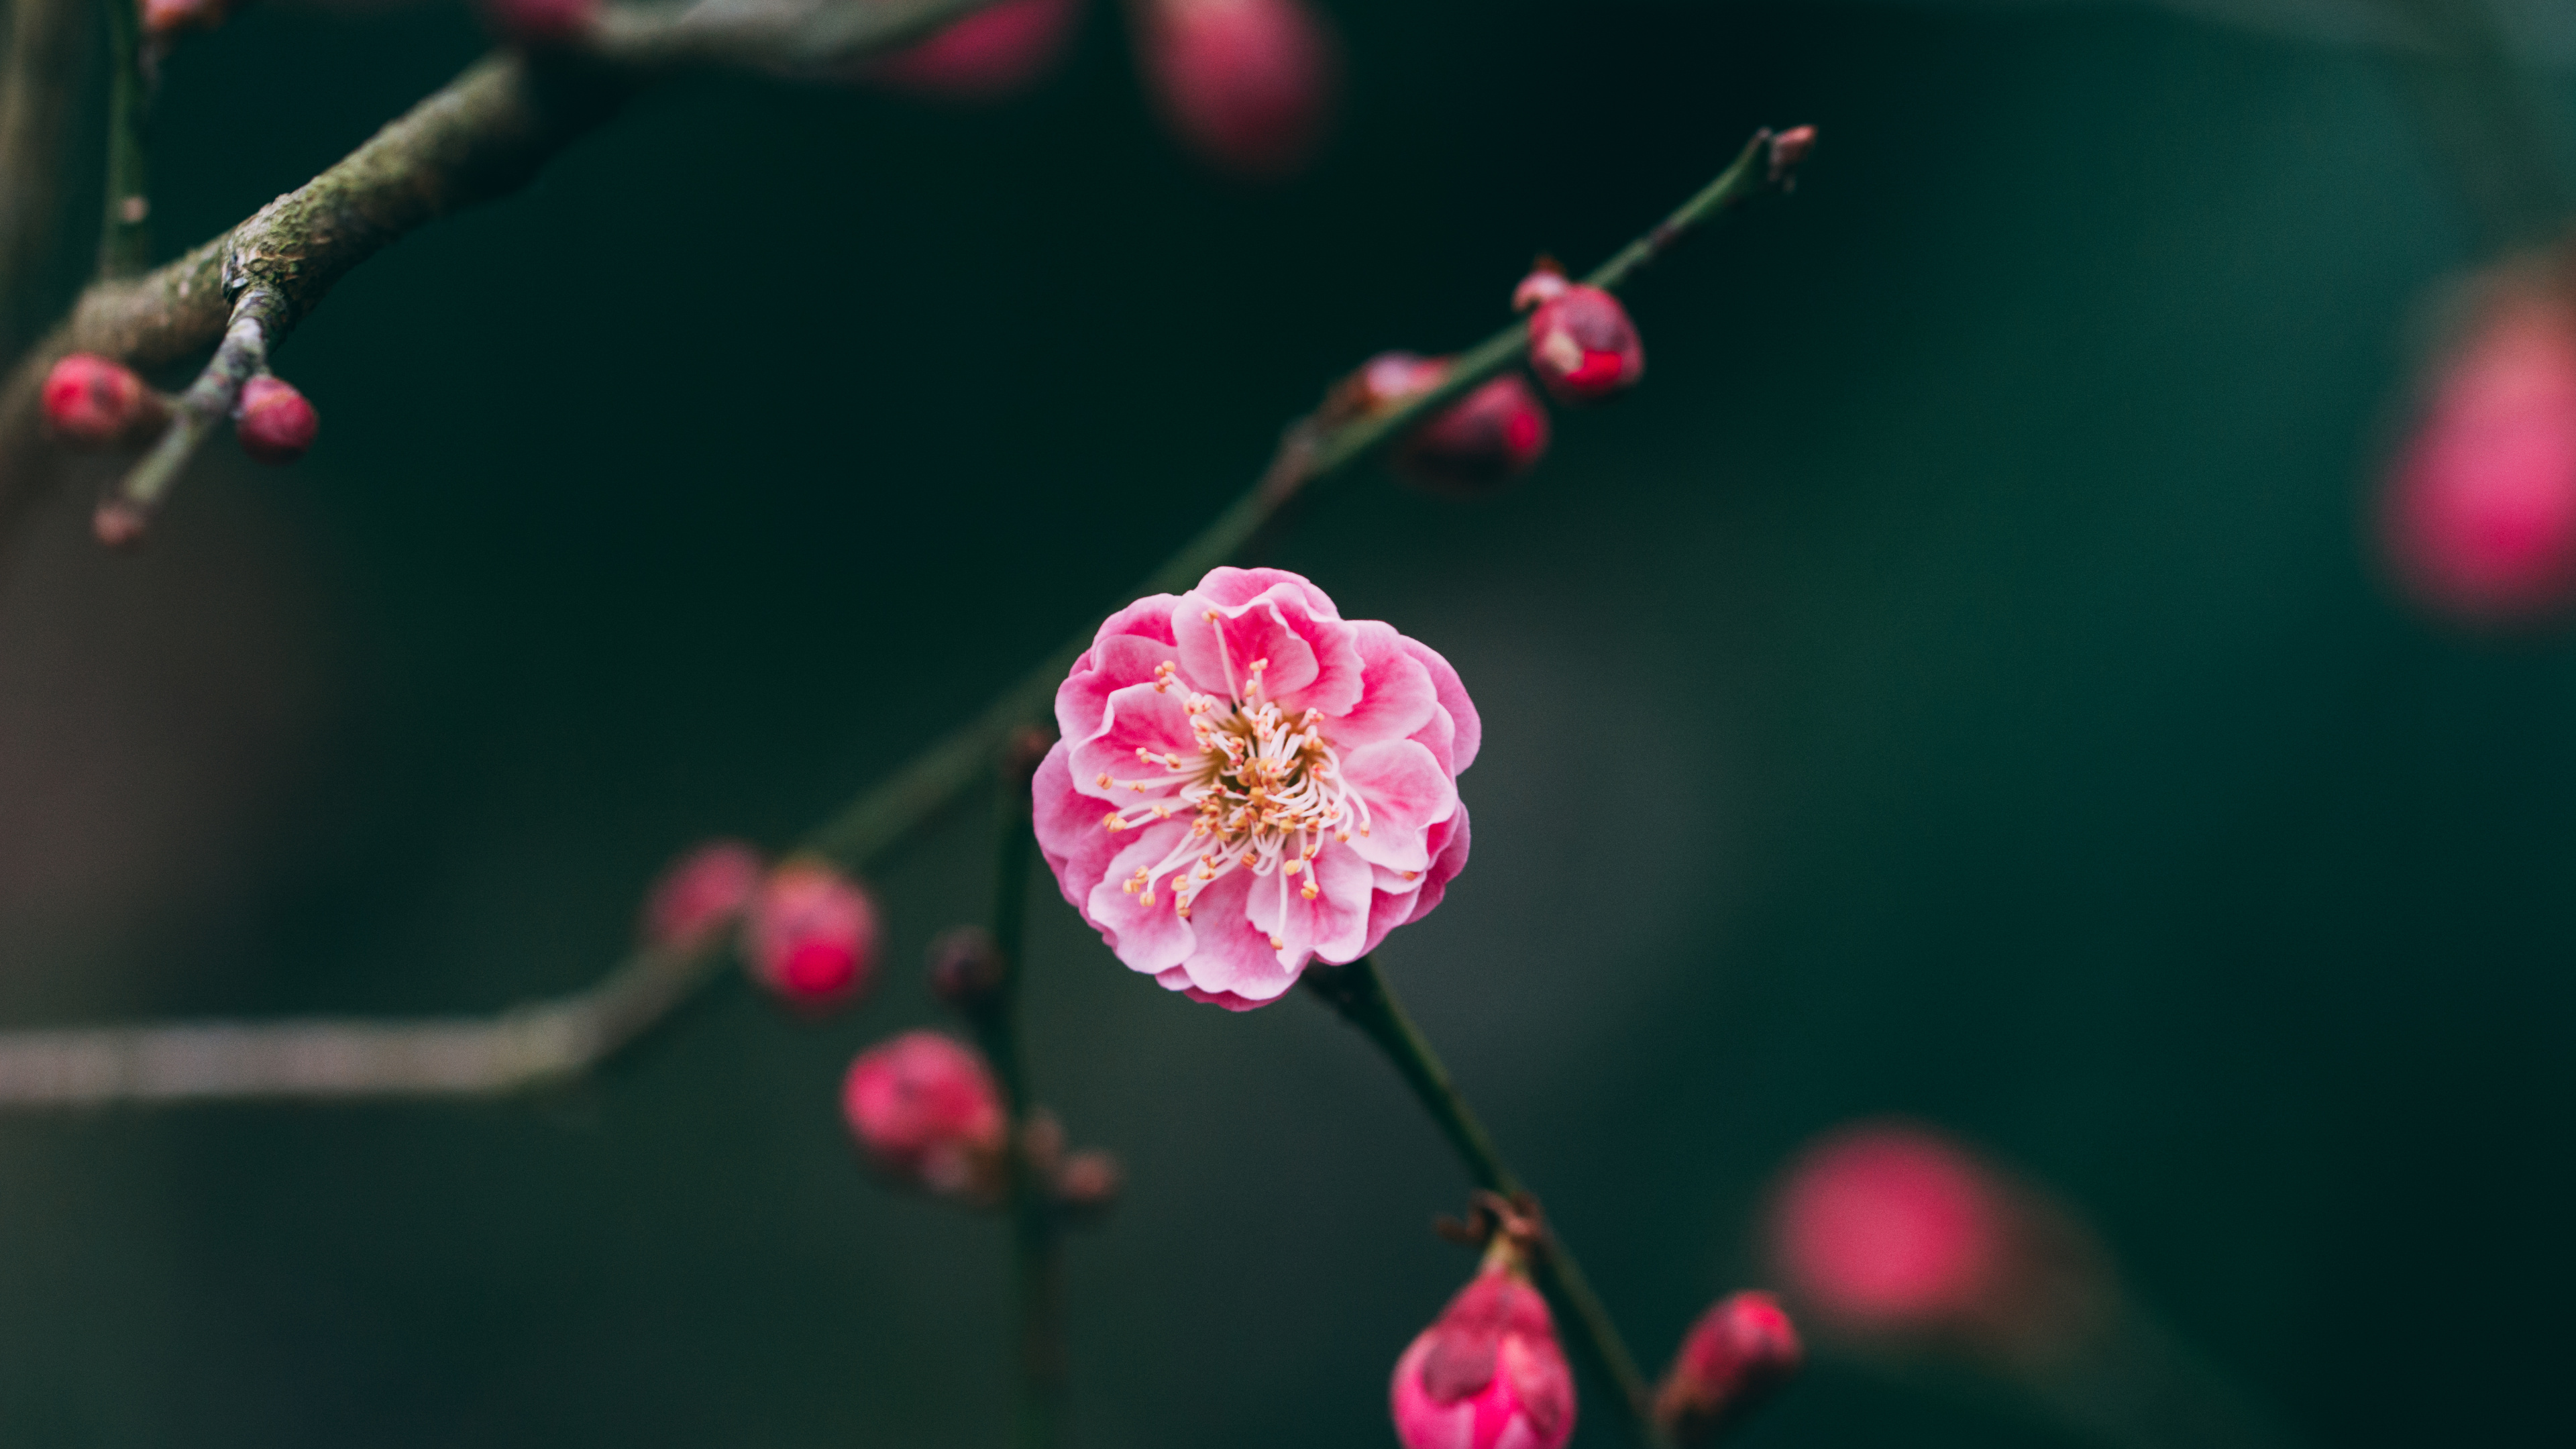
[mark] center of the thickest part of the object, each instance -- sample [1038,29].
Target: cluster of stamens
[1264,788]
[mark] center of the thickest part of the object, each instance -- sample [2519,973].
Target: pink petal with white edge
[1082,701]
[1396,693]
[1313,663]
[1178,980]
[1453,698]
[1448,857]
[1140,717]
[1226,586]
[1068,829]
[1150,938]
[1407,793]
[1334,925]
[1234,955]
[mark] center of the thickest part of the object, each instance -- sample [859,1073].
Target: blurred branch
[125,234]
[483,136]
[338,1059]
[1359,993]
[46,43]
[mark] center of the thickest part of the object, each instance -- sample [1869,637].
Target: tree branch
[191,1062]
[47,40]
[125,234]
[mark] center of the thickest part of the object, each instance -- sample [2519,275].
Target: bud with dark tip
[1737,1356]
[966,969]
[989,54]
[926,1111]
[1248,84]
[1488,1373]
[1581,343]
[811,937]
[93,402]
[698,894]
[274,422]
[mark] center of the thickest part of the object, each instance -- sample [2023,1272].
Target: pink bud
[168,17]
[92,402]
[1248,84]
[1544,284]
[1390,377]
[1582,345]
[275,423]
[1740,1353]
[1892,1229]
[1089,1183]
[926,1111]
[811,937]
[540,22]
[1788,152]
[991,53]
[699,893]
[1484,440]
[2479,513]
[1487,1374]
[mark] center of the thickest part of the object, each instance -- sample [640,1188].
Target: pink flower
[698,893]
[1487,1374]
[991,53]
[811,937]
[926,1110]
[1737,1356]
[1248,781]
[2480,512]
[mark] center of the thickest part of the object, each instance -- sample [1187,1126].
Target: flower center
[1264,788]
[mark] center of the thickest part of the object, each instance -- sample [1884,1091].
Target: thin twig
[878,822]
[241,356]
[48,39]
[125,234]
[1360,994]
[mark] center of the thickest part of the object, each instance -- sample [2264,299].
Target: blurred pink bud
[540,22]
[1890,1229]
[1488,1373]
[699,893]
[991,53]
[93,402]
[275,424]
[1545,283]
[1248,84]
[1482,441]
[1089,1183]
[927,1112]
[1740,1353]
[966,969]
[2479,514]
[811,937]
[1582,345]
[1788,150]
[1390,377]
[167,17]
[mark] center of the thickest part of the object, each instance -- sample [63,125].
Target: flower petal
[1232,954]
[1149,938]
[1138,717]
[1397,697]
[1407,792]
[1334,925]
[1311,661]
[1453,698]
[1068,828]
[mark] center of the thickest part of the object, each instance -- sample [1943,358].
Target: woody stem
[1037,1235]
[1359,992]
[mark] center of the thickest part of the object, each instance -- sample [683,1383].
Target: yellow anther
[1307,890]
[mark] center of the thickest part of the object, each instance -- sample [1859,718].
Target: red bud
[1736,1357]
[275,424]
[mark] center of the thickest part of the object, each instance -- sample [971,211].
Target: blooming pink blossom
[991,53]
[926,1110]
[698,893]
[1893,1229]
[1248,84]
[812,936]
[2480,511]
[1739,1353]
[1248,781]
[1487,1374]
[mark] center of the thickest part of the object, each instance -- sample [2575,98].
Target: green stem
[125,240]
[1037,1236]
[1359,992]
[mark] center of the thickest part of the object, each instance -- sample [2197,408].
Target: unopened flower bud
[966,969]
[2479,513]
[1248,84]
[698,894]
[1788,150]
[989,54]
[1478,443]
[275,423]
[926,1111]
[1391,377]
[540,22]
[1736,1357]
[1582,345]
[811,937]
[93,402]
[168,17]
[1545,283]
[1488,1373]
[1088,1183]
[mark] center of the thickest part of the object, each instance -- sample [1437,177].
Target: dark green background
[1957,684]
